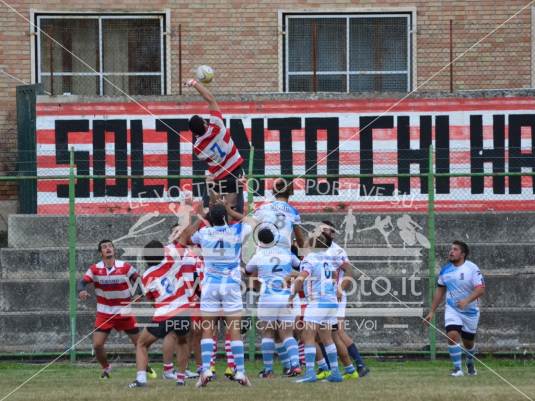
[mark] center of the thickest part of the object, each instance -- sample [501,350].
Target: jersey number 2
[276,263]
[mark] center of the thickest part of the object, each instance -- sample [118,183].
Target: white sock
[141,376]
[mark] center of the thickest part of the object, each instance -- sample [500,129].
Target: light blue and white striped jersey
[460,282]
[221,250]
[273,265]
[320,284]
[283,216]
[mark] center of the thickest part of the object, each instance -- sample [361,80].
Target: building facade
[102,48]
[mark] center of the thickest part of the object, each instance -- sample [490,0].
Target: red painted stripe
[288,107]
[149,160]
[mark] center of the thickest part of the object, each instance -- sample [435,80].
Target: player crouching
[163,283]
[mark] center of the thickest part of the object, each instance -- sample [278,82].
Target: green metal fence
[73,244]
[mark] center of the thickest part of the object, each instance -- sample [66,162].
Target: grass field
[399,381]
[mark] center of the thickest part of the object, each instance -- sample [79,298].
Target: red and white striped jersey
[192,262]
[217,148]
[112,286]
[191,267]
[165,285]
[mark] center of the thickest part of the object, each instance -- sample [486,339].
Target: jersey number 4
[219,247]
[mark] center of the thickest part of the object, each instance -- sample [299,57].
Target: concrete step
[25,231]
[52,262]
[50,332]
[28,231]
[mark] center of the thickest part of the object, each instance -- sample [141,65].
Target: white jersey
[320,285]
[273,265]
[337,257]
[283,216]
[460,282]
[221,250]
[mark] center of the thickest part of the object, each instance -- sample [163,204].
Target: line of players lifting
[195,282]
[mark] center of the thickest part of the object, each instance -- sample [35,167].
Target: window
[349,53]
[101,54]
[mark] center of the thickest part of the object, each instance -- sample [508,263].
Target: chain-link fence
[396,229]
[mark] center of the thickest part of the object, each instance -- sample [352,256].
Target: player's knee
[98,346]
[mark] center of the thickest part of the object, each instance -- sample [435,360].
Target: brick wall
[240,39]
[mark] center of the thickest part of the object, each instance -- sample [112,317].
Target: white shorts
[321,313]
[217,297]
[468,323]
[341,310]
[273,307]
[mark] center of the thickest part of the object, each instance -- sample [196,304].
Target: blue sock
[332,357]
[207,348]
[470,352]
[456,355]
[268,349]
[283,355]
[349,369]
[310,357]
[324,353]
[237,350]
[322,364]
[293,353]
[355,355]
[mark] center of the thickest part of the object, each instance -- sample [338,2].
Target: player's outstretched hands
[83,295]
[189,83]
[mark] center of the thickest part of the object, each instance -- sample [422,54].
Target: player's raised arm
[185,236]
[235,215]
[204,92]
[299,236]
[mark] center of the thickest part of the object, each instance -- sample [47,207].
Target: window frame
[409,14]
[162,16]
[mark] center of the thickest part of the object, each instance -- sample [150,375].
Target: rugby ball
[205,74]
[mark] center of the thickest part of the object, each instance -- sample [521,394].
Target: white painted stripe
[346,120]
[395,326]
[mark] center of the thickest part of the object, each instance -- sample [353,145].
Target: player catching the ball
[213,144]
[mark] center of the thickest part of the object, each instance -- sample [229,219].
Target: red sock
[301,352]
[167,367]
[228,350]
[212,362]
